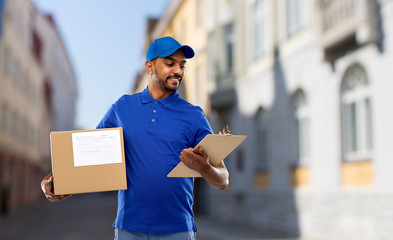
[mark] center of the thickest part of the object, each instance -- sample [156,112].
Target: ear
[149,67]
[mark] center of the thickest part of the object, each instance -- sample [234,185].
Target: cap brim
[188,51]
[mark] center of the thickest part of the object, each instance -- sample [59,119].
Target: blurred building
[140,82]
[37,94]
[309,82]
[183,20]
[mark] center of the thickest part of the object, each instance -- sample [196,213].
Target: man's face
[169,71]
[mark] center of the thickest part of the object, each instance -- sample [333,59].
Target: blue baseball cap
[165,46]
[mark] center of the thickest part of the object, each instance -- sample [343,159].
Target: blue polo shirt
[155,132]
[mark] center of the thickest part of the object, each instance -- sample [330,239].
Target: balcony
[224,95]
[347,23]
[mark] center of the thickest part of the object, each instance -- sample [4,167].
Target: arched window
[356,106]
[261,139]
[302,128]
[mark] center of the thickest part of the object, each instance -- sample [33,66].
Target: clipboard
[216,146]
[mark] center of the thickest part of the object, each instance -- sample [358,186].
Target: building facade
[307,81]
[37,94]
[183,20]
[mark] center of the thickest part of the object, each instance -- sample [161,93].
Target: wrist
[206,169]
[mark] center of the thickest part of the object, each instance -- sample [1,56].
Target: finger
[48,186]
[44,181]
[48,190]
[50,182]
[196,150]
[48,176]
[62,197]
[67,196]
[202,152]
[186,153]
[183,157]
[55,198]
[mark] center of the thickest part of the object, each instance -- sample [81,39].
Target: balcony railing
[225,80]
[341,20]
[224,94]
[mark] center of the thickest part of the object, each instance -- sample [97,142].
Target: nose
[177,69]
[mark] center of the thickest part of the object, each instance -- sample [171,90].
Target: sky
[104,40]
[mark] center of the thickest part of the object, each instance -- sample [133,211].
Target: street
[85,216]
[90,216]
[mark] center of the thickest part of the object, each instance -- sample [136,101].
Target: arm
[47,186]
[217,176]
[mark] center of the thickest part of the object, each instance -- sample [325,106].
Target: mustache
[175,76]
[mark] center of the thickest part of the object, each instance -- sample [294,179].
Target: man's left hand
[196,161]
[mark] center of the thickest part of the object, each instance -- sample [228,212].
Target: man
[159,127]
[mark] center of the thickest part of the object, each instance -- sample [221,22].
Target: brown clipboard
[217,147]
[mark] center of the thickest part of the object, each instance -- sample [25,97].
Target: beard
[171,83]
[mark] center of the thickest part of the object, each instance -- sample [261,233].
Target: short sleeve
[109,120]
[202,128]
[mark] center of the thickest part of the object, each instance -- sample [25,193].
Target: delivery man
[159,127]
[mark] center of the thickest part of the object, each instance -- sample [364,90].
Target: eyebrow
[172,59]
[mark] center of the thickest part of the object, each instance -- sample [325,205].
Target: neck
[158,93]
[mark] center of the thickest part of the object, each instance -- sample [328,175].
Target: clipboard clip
[225,131]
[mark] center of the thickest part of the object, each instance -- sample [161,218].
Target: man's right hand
[47,188]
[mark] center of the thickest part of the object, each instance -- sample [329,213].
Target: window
[229,42]
[259,28]
[33,137]
[301,123]
[36,46]
[223,68]
[296,15]
[211,48]
[23,131]
[356,105]
[198,92]
[16,75]
[7,62]
[261,139]
[14,124]
[48,95]
[198,13]
[4,117]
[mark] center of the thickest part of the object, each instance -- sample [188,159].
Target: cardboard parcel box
[88,161]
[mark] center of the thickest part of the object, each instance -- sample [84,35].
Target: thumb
[202,152]
[50,183]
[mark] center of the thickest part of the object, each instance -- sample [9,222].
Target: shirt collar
[168,101]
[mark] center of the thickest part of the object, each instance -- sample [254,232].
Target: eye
[183,67]
[169,64]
